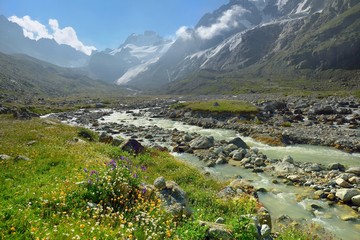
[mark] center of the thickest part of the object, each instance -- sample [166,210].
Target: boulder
[160,183]
[174,199]
[336,166]
[356,200]
[265,231]
[345,194]
[354,170]
[202,142]
[294,178]
[264,217]
[237,156]
[132,145]
[216,231]
[239,143]
[354,180]
[259,162]
[342,183]
[288,159]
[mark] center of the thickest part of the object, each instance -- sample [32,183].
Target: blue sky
[107,23]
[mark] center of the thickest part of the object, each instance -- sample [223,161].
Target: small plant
[88,134]
[286,124]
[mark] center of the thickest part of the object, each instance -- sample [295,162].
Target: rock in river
[346,194]
[202,142]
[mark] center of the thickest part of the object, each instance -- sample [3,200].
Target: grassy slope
[38,195]
[46,197]
[22,75]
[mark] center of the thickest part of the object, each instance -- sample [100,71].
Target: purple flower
[93,172]
[143,168]
[135,175]
[143,190]
[85,169]
[112,163]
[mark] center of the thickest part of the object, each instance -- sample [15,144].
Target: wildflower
[12,229]
[143,168]
[82,226]
[85,169]
[112,164]
[135,175]
[93,172]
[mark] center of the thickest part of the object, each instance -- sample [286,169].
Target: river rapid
[279,199]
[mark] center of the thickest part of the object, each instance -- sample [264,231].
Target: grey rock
[264,217]
[336,166]
[346,194]
[4,157]
[237,156]
[239,143]
[259,162]
[342,183]
[354,180]
[132,145]
[356,200]
[21,158]
[230,147]
[31,143]
[294,178]
[354,170]
[160,183]
[227,192]
[265,231]
[202,142]
[216,231]
[288,159]
[175,200]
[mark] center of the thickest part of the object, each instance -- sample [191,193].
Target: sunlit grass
[91,190]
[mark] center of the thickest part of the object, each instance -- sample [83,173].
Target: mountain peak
[149,38]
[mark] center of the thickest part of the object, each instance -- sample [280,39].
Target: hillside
[307,46]
[22,75]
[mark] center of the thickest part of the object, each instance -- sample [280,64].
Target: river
[279,199]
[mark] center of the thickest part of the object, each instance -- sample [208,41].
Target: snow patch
[135,71]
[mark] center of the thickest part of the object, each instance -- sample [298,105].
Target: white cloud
[184,33]
[35,30]
[226,21]
[67,35]
[31,28]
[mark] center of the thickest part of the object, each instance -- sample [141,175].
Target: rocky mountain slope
[131,58]
[251,40]
[22,75]
[12,41]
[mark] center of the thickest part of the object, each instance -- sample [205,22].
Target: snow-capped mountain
[130,58]
[253,36]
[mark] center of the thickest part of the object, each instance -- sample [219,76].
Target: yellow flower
[82,225]
[33,229]
[12,229]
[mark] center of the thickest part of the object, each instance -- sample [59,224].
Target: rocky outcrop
[173,198]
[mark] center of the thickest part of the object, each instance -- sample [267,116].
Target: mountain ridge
[307,44]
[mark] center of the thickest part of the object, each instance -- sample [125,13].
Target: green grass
[48,196]
[220,106]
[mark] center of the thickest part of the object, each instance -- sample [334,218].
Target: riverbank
[325,182]
[62,191]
